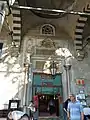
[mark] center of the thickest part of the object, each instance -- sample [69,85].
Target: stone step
[3,119]
[49,118]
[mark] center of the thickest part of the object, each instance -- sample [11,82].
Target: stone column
[25,87]
[29,86]
[67,69]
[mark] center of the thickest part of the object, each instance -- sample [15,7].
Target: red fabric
[35,100]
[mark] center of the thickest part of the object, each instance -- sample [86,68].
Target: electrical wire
[51,10]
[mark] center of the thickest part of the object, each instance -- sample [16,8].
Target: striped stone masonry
[79,29]
[16,25]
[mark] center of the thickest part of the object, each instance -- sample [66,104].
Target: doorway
[44,101]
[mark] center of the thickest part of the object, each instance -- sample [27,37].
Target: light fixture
[53,68]
[54,97]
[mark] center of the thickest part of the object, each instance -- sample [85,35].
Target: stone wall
[81,70]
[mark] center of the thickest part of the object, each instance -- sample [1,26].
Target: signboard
[48,84]
[44,83]
[80,82]
[14,104]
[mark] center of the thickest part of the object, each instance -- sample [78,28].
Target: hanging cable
[51,10]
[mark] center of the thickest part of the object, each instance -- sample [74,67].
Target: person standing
[75,109]
[86,111]
[65,105]
[32,109]
[35,100]
[51,107]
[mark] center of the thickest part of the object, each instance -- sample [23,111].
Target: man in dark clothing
[51,107]
[65,105]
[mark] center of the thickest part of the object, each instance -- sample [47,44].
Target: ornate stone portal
[40,50]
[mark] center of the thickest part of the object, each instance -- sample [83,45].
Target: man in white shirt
[86,111]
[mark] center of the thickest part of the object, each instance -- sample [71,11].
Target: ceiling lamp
[53,68]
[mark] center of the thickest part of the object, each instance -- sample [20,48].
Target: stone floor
[48,118]
[39,119]
[2,118]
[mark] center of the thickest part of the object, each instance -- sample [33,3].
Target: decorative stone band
[16,25]
[79,29]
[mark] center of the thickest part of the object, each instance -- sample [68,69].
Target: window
[48,30]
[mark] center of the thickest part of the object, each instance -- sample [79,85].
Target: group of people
[73,110]
[34,108]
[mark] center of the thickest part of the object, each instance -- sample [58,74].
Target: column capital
[67,67]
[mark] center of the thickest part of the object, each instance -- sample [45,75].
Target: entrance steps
[50,118]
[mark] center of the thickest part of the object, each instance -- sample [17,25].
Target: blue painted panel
[46,84]
[36,79]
